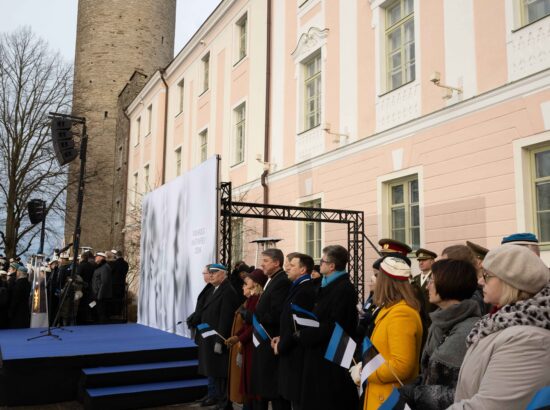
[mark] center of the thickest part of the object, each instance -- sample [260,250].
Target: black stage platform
[47,370]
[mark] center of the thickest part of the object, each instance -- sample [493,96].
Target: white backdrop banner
[178,238]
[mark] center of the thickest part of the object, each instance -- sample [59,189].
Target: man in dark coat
[120,270]
[218,311]
[327,385]
[19,313]
[4,298]
[102,287]
[268,313]
[291,354]
[85,270]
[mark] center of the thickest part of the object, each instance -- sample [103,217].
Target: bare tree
[33,82]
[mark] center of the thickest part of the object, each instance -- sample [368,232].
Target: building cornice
[153,81]
[520,88]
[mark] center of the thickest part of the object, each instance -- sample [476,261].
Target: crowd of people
[471,331]
[94,294]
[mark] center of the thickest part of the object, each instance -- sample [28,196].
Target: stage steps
[141,385]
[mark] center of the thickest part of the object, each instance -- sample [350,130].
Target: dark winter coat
[19,313]
[218,311]
[120,270]
[291,354]
[102,282]
[442,357]
[194,318]
[327,385]
[265,364]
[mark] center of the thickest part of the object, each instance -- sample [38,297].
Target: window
[242,37]
[533,10]
[138,130]
[203,145]
[180,96]
[178,161]
[400,57]
[240,123]
[312,92]
[540,160]
[135,189]
[312,232]
[404,211]
[146,187]
[205,72]
[149,119]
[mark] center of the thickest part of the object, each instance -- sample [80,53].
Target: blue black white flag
[303,317]
[206,330]
[340,347]
[259,334]
[394,402]
[372,360]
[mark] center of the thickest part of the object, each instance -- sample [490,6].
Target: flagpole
[223,338]
[395,375]
[262,326]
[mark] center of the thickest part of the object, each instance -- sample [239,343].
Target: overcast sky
[55,20]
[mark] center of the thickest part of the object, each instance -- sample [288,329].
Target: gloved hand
[355,373]
[407,393]
[218,348]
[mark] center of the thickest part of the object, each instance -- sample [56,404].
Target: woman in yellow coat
[397,334]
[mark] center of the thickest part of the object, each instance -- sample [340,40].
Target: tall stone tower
[114,39]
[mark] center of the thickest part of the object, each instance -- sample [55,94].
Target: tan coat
[504,369]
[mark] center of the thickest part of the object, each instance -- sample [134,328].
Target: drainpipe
[162,71]
[267,117]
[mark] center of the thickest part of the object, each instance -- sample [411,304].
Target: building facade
[431,117]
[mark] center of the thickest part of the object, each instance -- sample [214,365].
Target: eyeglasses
[486,275]
[324,261]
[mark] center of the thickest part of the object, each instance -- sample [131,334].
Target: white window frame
[399,25]
[205,72]
[534,182]
[522,17]
[241,38]
[239,132]
[523,182]
[317,79]
[146,178]
[135,187]
[181,90]
[149,119]
[177,153]
[203,145]
[138,131]
[383,199]
[317,228]
[237,252]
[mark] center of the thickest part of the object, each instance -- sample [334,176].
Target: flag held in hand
[340,347]
[303,317]
[206,330]
[259,334]
[372,360]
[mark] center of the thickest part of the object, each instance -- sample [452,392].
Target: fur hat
[395,268]
[258,276]
[517,266]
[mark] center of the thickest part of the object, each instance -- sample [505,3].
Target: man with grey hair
[268,315]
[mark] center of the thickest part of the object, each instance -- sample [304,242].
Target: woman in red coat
[252,289]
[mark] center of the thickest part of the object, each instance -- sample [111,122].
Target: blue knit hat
[526,238]
[216,267]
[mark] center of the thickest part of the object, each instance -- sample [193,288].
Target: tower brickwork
[115,38]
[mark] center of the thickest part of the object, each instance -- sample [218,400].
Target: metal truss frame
[353,219]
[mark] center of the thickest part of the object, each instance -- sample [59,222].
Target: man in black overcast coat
[264,373]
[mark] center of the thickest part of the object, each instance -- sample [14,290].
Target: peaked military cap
[479,250]
[423,254]
[392,245]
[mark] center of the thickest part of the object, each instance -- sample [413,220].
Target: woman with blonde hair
[397,333]
[508,353]
[241,341]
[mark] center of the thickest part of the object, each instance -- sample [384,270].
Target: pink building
[432,117]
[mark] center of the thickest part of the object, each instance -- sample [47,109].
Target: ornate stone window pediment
[309,42]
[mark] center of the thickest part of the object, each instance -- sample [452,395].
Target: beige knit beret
[518,266]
